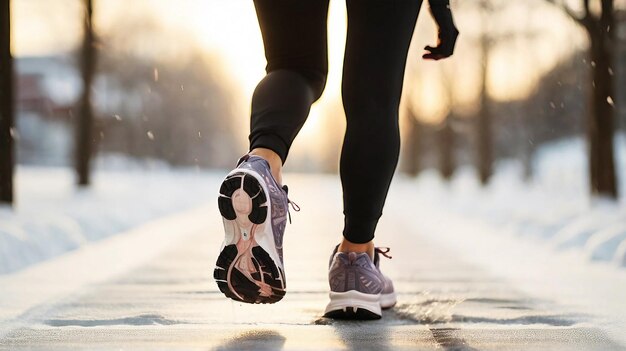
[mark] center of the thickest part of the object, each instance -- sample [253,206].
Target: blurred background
[536,90]
[172,81]
[118,113]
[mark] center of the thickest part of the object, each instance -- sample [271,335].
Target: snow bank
[52,216]
[554,208]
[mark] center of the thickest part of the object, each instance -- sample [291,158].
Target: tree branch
[586,7]
[586,20]
[607,19]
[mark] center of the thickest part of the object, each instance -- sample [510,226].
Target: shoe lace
[383,251]
[293,205]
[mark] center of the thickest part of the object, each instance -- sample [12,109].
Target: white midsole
[265,238]
[388,300]
[354,299]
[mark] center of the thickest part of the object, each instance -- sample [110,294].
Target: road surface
[152,288]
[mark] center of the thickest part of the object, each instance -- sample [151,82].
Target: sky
[531,37]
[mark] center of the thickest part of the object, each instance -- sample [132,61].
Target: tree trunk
[84,128]
[528,150]
[600,121]
[413,148]
[485,137]
[619,57]
[6,105]
[446,148]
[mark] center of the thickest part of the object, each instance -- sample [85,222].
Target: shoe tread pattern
[266,270]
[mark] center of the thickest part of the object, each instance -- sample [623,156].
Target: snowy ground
[52,216]
[554,209]
[548,239]
[461,285]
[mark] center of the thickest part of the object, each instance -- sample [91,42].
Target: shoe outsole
[352,313]
[252,187]
[255,286]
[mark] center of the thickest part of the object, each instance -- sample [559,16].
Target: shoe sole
[245,271]
[355,305]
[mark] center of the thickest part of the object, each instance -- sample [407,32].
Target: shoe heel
[387,301]
[353,304]
[241,195]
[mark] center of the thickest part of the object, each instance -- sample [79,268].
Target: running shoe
[254,209]
[358,289]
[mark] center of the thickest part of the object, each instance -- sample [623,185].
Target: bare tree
[446,138]
[484,121]
[84,128]
[413,149]
[6,105]
[620,70]
[600,121]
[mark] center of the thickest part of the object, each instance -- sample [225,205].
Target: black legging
[294,37]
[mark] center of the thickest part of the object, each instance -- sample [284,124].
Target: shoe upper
[356,271]
[277,197]
[388,283]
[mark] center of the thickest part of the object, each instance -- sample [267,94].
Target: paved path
[171,302]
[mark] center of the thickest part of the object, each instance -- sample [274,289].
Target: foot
[276,163]
[254,209]
[358,289]
[347,246]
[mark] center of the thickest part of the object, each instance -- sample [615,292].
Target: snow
[553,209]
[52,216]
[95,262]
[546,235]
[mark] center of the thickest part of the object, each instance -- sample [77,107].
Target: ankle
[275,162]
[348,246]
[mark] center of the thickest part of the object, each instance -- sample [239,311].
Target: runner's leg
[294,38]
[379,34]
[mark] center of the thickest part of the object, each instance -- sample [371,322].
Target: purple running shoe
[254,209]
[358,289]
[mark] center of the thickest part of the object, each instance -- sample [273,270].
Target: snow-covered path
[459,287]
[51,216]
